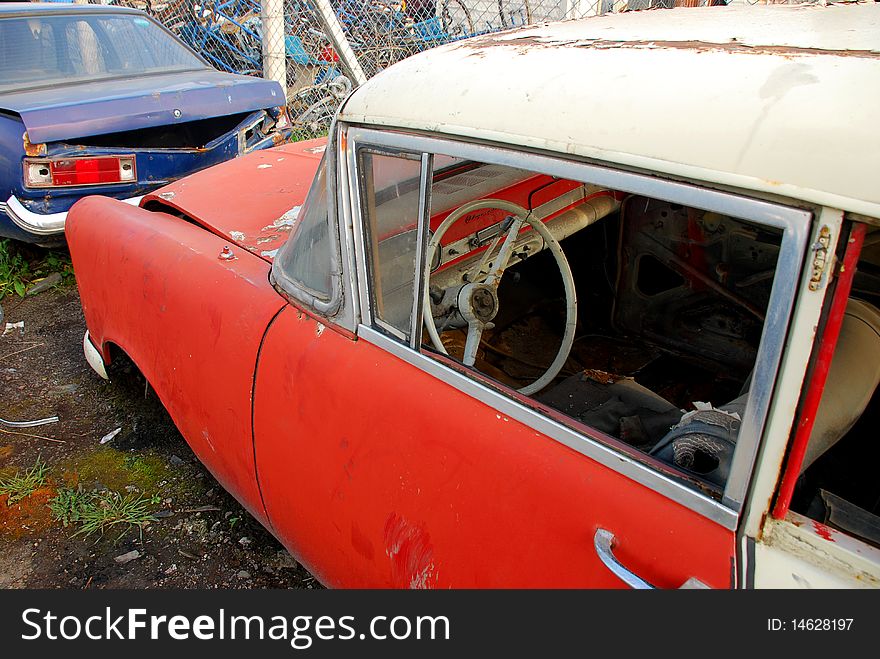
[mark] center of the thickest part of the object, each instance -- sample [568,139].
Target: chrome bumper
[39,224]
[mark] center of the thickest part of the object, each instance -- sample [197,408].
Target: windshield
[49,50]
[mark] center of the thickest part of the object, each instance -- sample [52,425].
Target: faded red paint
[190,321]
[404,481]
[243,199]
[372,472]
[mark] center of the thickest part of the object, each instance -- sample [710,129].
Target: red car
[586,304]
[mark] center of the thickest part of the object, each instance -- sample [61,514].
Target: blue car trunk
[173,124]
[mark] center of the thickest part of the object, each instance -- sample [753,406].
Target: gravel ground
[201,537]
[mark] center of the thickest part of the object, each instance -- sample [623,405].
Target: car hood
[252,201]
[120,104]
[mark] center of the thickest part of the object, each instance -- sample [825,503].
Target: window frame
[795,224]
[424,161]
[295,290]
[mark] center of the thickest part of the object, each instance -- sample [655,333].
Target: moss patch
[115,470]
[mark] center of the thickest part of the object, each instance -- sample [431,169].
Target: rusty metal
[31,149]
[820,258]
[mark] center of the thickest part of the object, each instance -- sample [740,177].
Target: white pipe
[274,57]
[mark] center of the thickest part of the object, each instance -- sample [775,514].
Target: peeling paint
[264,166]
[237,236]
[823,531]
[286,222]
[527,42]
[319,330]
[270,254]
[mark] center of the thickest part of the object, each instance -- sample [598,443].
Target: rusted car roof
[778,99]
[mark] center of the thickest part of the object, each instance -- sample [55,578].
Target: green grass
[99,512]
[21,266]
[24,483]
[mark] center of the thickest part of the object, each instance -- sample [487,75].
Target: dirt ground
[202,538]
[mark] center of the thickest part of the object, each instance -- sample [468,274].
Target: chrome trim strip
[415,335]
[794,222]
[780,307]
[93,357]
[348,314]
[43,225]
[360,239]
[593,449]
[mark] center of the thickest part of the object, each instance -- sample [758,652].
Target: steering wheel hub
[478,303]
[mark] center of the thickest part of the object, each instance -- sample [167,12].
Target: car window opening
[651,342]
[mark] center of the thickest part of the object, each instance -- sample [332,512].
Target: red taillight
[67,172]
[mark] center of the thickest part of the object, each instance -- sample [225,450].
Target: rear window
[48,50]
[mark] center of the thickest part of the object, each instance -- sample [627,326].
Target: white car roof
[777,99]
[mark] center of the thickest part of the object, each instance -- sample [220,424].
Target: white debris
[110,435]
[11,327]
[127,557]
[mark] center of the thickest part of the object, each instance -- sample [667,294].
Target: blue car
[104,100]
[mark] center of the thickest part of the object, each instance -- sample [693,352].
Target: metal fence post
[274,56]
[334,31]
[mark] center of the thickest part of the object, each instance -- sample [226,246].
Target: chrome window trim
[425,182]
[367,288]
[794,223]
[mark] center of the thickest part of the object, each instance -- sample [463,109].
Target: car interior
[639,319]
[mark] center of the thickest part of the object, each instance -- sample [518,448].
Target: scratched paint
[409,547]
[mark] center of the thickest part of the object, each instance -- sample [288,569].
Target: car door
[384,464]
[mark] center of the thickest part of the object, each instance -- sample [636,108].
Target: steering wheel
[477,300]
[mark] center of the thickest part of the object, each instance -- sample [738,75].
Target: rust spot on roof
[526,43]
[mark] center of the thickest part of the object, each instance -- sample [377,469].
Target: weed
[22,265]
[25,483]
[14,270]
[98,512]
[66,504]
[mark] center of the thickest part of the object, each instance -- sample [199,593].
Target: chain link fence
[300,42]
